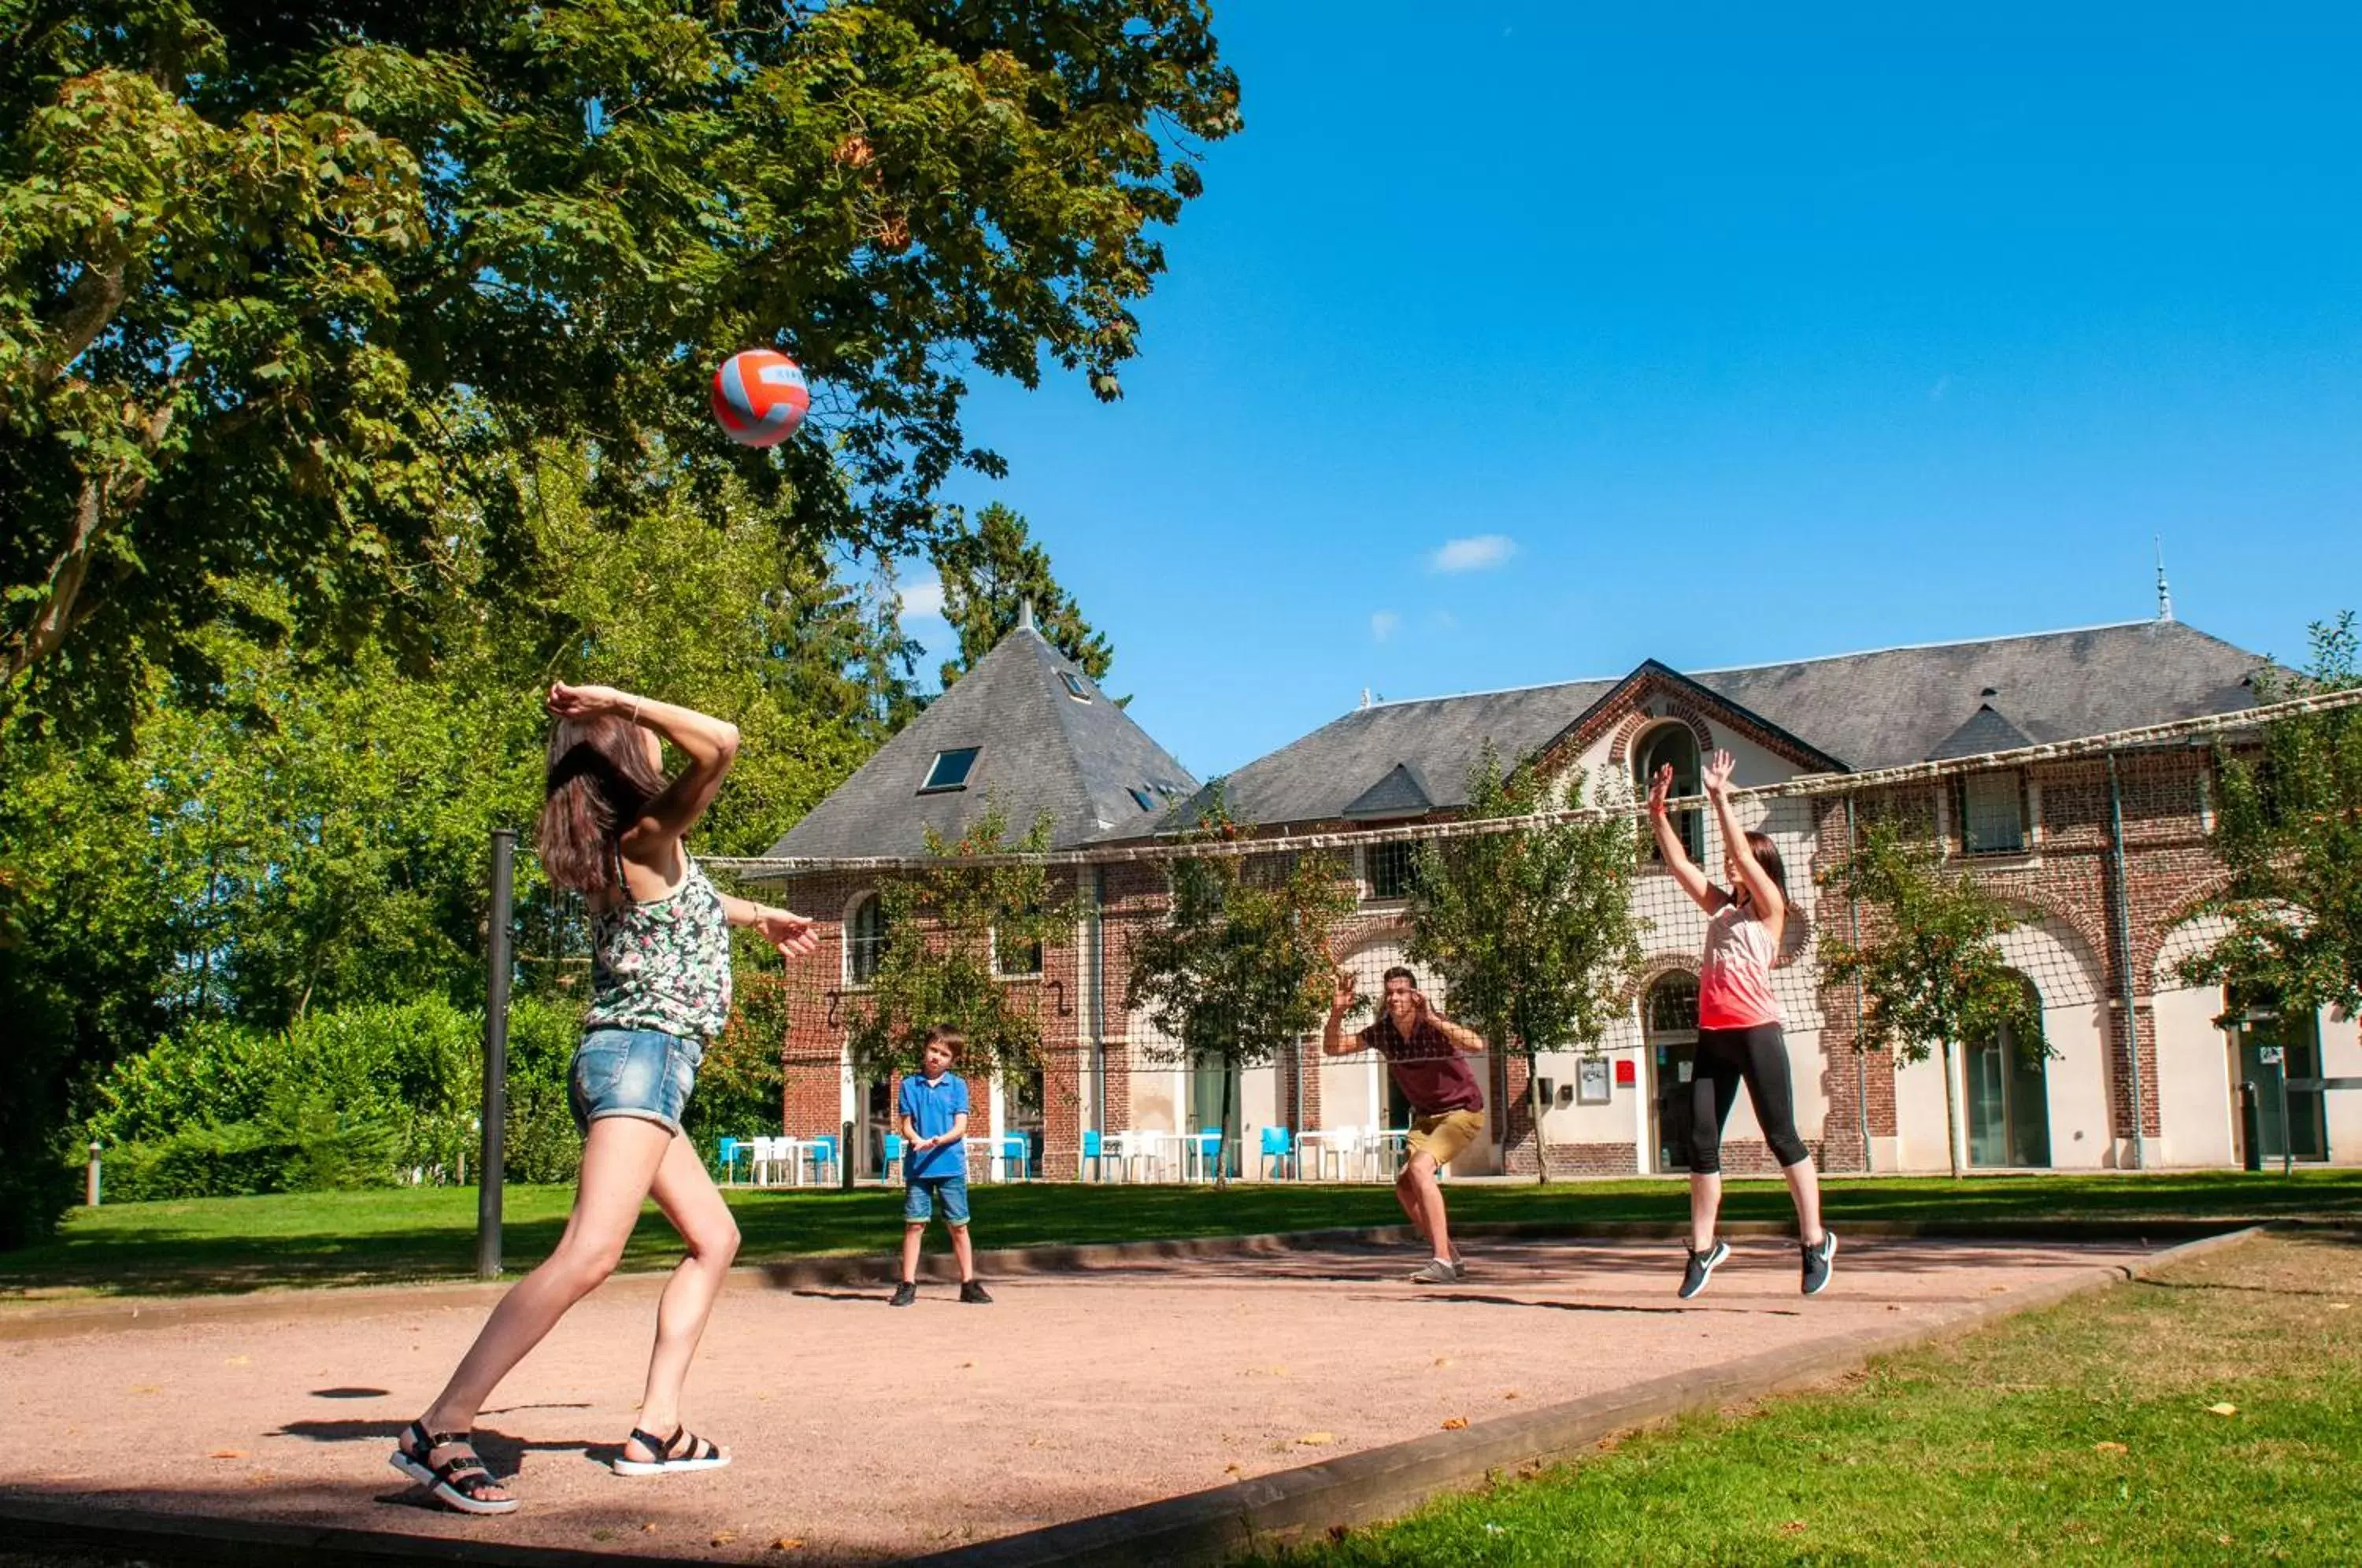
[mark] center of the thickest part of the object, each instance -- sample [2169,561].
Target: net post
[491,1157]
[845,1159]
[1861,1014]
[2124,954]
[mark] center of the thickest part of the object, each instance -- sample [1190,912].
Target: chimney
[1025,615]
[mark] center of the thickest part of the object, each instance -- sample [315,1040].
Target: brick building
[2107,855]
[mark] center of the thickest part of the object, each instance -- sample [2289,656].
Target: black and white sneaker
[1701,1266]
[1818,1260]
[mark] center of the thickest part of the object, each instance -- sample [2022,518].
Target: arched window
[865,940]
[1672,1007]
[1673,744]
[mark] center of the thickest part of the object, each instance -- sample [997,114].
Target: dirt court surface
[862,1433]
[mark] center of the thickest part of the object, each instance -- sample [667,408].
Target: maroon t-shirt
[1429,1069]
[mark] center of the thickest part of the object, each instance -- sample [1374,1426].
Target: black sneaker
[904,1294]
[1701,1266]
[1818,1262]
[972,1294]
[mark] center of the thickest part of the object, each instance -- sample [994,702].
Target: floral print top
[663,964]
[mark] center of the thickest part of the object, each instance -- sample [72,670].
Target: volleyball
[760,397]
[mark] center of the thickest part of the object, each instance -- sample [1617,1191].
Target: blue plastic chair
[1278,1143]
[1016,1150]
[895,1150]
[824,1155]
[1207,1142]
[725,1155]
[1093,1156]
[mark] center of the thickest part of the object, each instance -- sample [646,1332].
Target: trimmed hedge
[365,1096]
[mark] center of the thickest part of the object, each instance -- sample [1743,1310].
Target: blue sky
[1716,344]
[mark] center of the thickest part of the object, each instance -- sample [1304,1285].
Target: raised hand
[1343,1001]
[1661,790]
[791,934]
[1717,773]
[585,701]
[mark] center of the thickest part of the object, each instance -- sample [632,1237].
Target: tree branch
[96,508]
[90,305]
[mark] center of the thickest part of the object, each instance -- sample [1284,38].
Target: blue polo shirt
[931,1104]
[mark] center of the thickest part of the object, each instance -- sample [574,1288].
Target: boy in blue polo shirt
[934,1110]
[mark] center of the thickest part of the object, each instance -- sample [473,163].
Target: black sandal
[459,1483]
[696,1453]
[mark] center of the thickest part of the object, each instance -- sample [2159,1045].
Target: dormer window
[1141,798]
[950,770]
[1075,687]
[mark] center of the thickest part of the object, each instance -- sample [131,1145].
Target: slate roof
[1040,750]
[1862,711]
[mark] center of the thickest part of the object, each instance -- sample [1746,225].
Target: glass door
[2273,1048]
[1669,1018]
[2008,1102]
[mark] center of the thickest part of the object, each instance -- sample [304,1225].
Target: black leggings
[1759,1056]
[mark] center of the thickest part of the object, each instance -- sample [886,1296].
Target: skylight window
[1142,799]
[951,769]
[1075,687]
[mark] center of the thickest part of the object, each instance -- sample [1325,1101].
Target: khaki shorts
[1444,1136]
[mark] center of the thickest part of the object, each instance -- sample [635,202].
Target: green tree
[989,573]
[2291,835]
[309,832]
[1531,929]
[1239,970]
[1928,961]
[945,927]
[278,287]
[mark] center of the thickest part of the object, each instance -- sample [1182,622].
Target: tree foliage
[2291,835]
[990,572]
[279,286]
[1241,969]
[1532,930]
[1928,960]
[944,927]
[310,833]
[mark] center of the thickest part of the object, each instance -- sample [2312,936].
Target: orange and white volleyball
[759,396]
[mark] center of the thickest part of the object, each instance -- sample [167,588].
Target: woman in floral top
[610,829]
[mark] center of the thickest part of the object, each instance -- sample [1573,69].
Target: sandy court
[862,1432]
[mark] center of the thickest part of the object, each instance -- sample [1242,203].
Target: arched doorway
[1672,745]
[2008,1098]
[1669,1027]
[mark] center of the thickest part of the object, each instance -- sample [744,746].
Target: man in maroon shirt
[1423,1049]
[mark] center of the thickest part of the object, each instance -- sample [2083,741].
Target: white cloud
[924,598]
[1479,554]
[1943,384]
[1384,624]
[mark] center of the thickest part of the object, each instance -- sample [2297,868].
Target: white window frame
[845,937]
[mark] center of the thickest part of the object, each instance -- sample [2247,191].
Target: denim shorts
[632,1072]
[919,1203]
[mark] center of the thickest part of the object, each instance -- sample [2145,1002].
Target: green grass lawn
[341,1237]
[2086,1433]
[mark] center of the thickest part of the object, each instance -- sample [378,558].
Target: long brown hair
[598,781]
[1767,855]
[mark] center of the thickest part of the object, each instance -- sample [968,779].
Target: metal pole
[844,1160]
[490,1158]
[1860,1049]
[90,1185]
[1099,999]
[2124,957]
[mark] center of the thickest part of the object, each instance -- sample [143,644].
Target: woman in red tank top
[1740,1038]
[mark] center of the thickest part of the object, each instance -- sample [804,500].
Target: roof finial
[2164,594]
[1366,696]
[1025,615]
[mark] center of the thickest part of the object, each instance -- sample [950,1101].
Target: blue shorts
[919,1203]
[632,1072]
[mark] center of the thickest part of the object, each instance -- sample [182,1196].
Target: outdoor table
[1319,1147]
